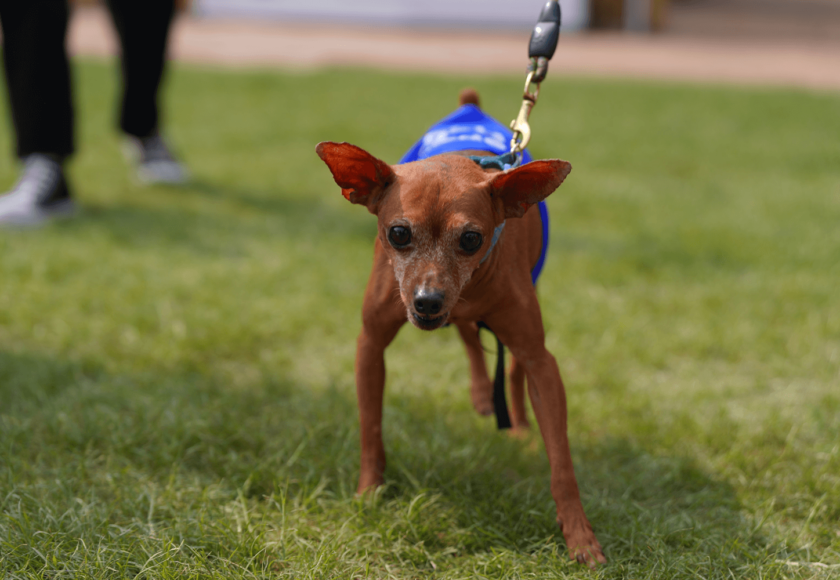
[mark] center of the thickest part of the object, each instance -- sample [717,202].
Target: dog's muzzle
[427,308]
[428,323]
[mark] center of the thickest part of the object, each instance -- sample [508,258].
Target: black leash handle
[544,40]
[547,32]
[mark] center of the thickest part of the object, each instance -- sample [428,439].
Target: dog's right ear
[361,176]
[518,189]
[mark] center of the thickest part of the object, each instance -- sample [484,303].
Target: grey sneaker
[155,162]
[39,195]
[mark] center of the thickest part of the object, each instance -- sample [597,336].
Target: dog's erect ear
[520,188]
[361,176]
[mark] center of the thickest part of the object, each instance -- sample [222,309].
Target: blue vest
[468,127]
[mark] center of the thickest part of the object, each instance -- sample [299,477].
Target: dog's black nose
[428,302]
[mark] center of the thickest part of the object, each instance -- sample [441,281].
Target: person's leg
[143,29]
[38,80]
[38,75]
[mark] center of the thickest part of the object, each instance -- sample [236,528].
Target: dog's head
[437,216]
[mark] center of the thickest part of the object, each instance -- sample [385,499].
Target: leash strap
[500,407]
[499,398]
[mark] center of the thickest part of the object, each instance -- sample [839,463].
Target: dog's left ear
[361,176]
[520,188]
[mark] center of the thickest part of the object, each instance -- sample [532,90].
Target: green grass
[176,391]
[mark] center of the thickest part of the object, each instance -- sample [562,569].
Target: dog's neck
[503,163]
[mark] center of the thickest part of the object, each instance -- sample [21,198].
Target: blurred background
[744,41]
[808,18]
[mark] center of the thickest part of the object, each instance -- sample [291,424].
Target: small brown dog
[434,248]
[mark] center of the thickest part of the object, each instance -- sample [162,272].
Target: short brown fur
[439,200]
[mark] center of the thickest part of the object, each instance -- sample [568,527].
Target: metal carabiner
[520,127]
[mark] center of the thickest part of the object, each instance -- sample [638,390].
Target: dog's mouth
[428,322]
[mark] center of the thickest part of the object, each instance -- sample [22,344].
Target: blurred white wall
[489,14]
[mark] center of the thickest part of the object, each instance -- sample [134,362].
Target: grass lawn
[176,390]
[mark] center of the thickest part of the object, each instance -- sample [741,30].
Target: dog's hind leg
[518,416]
[481,387]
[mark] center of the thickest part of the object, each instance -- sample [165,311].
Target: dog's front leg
[548,398]
[520,328]
[370,387]
[383,314]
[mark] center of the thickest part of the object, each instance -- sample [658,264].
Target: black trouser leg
[143,28]
[38,75]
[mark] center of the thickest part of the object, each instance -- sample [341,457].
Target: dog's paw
[583,545]
[520,432]
[590,555]
[367,486]
[483,408]
[482,398]
[371,476]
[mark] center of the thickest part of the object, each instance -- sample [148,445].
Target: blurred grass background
[176,390]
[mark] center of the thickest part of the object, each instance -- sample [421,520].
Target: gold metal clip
[521,128]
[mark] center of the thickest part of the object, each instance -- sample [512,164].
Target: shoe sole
[59,210]
[146,177]
[151,178]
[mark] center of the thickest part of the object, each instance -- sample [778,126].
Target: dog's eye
[471,241]
[399,236]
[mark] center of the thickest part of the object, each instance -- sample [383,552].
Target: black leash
[541,48]
[500,407]
[499,399]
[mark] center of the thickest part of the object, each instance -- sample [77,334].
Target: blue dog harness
[468,127]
